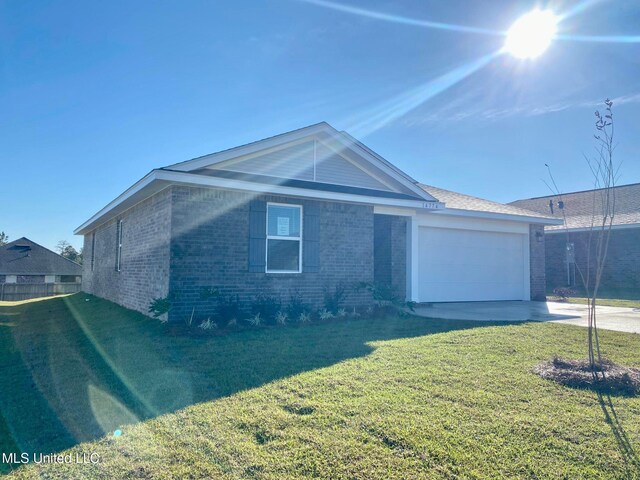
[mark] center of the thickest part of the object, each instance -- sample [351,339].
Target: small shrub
[341,313]
[334,299]
[355,313]
[207,293]
[281,318]
[563,293]
[208,325]
[326,314]
[255,320]
[160,306]
[304,318]
[228,308]
[296,306]
[386,297]
[268,307]
[232,323]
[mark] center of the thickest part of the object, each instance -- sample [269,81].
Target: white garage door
[458,265]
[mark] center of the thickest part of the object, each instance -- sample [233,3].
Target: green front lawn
[393,398]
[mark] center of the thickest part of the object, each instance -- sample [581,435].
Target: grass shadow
[630,456]
[76,368]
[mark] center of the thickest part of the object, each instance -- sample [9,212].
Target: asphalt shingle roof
[579,206]
[467,202]
[24,257]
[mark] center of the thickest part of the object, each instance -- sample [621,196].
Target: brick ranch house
[565,254]
[29,270]
[301,212]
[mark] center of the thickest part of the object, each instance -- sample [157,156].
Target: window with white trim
[119,246]
[284,238]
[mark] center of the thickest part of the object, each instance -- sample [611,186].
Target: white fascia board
[262,188]
[399,212]
[595,228]
[129,192]
[215,158]
[166,178]
[499,216]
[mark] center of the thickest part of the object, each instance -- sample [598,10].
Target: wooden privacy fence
[12,292]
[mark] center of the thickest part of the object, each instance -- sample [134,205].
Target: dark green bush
[159,306]
[228,308]
[268,307]
[334,298]
[296,307]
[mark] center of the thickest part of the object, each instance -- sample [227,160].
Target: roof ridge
[571,193]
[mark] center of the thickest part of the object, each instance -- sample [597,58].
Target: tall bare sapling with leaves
[604,171]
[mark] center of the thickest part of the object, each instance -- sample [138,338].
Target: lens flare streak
[400,19]
[388,17]
[376,118]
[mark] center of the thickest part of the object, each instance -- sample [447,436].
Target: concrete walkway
[609,318]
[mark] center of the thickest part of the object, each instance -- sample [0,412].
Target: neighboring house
[299,213]
[566,247]
[29,270]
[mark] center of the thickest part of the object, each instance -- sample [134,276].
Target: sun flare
[531,34]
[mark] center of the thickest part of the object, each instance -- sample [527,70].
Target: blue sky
[94,95]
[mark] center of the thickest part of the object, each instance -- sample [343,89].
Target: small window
[284,238]
[119,246]
[93,249]
[68,279]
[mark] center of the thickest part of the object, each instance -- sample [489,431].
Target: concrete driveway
[609,318]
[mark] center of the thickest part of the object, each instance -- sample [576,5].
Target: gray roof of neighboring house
[579,206]
[24,257]
[460,201]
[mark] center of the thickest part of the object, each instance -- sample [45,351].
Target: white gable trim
[273,142]
[245,150]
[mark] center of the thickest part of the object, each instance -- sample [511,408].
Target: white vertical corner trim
[11,279]
[527,266]
[49,279]
[413,273]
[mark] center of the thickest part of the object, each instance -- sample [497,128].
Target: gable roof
[579,206]
[320,130]
[25,257]
[467,203]
[388,185]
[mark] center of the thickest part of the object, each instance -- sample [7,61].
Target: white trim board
[499,216]
[158,180]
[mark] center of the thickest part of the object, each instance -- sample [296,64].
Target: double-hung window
[284,238]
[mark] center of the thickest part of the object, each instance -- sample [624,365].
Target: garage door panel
[470,265]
